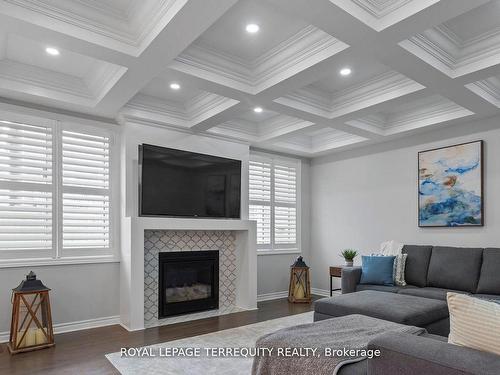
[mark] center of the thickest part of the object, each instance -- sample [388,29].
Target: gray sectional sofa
[430,272]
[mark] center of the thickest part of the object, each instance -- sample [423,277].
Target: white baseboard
[75,326]
[271,296]
[284,294]
[323,292]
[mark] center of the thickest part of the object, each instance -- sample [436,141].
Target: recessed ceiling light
[258,109]
[345,71]
[52,51]
[252,28]
[175,86]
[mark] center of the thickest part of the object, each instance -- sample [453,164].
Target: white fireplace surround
[132,261]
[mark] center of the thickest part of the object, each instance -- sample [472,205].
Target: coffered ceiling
[409,66]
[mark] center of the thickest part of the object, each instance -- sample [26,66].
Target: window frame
[272,248]
[57,255]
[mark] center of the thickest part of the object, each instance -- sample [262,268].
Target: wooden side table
[335,271]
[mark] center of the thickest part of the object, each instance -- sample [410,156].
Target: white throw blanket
[392,247]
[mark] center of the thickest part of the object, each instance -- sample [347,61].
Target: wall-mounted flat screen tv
[181,183]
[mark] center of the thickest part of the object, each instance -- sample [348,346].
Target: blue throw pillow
[377,270]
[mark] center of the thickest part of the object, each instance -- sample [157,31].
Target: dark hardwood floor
[82,352]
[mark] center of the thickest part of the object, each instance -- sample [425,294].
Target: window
[273,201]
[55,191]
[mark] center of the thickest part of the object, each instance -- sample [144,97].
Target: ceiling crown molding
[206,105]
[194,111]
[445,51]
[439,111]
[378,8]
[380,14]
[145,107]
[98,22]
[239,129]
[304,49]
[104,78]
[328,139]
[381,88]
[280,126]
[266,131]
[424,116]
[488,89]
[33,80]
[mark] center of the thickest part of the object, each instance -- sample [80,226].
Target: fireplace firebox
[188,282]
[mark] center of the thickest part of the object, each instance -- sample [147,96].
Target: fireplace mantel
[132,260]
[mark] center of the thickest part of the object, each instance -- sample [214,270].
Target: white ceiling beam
[319,120]
[433,79]
[63,41]
[221,117]
[427,18]
[186,26]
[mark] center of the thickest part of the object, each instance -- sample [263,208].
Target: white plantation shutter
[86,193]
[260,199]
[55,191]
[285,225]
[260,181]
[262,214]
[26,205]
[25,153]
[25,220]
[85,160]
[285,200]
[285,184]
[273,193]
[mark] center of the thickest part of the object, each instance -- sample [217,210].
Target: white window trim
[282,249]
[81,256]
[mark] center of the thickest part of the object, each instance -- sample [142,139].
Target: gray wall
[273,271]
[79,292]
[362,198]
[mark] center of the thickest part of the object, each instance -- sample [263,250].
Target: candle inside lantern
[31,337]
[40,337]
[299,291]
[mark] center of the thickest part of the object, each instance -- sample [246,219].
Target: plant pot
[349,263]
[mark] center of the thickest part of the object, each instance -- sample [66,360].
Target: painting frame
[481,181]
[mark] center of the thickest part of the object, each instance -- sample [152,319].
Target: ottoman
[422,312]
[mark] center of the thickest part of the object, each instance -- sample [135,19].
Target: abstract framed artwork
[450,186]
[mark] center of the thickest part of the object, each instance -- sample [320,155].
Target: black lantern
[300,284]
[31,324]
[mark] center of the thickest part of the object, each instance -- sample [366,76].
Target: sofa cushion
[455,268]
[429,292]
[489,280]
[417,264]
[380,288]
[488,297]
[394,307]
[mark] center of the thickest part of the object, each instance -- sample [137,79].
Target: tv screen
[182,183]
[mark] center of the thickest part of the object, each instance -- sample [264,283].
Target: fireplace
[188,282]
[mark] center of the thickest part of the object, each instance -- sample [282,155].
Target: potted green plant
[349,255]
